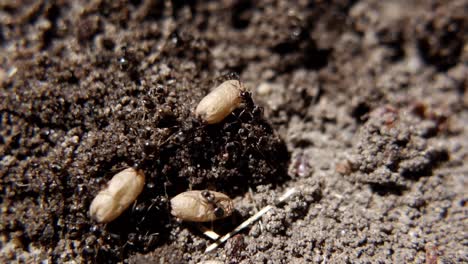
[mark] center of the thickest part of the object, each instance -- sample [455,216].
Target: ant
[210,198]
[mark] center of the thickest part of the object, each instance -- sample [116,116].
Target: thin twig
[256,208]
[208,232]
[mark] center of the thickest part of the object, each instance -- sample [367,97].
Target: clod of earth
[121,191]
[220,102]
[201,206]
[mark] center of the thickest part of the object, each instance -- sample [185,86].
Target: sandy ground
[364,113]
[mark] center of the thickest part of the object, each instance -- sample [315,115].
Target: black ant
[210,198]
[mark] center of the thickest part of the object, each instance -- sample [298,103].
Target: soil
[365,113]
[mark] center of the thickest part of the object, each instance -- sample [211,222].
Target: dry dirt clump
[364,113]
[393,148]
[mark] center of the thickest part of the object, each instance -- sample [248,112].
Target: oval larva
[201,206]
[121,191]
[220,102]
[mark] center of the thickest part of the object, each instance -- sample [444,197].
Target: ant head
[232,76]
[137,165]
[219,212]
[247,98]
[208,196]
[245,94]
